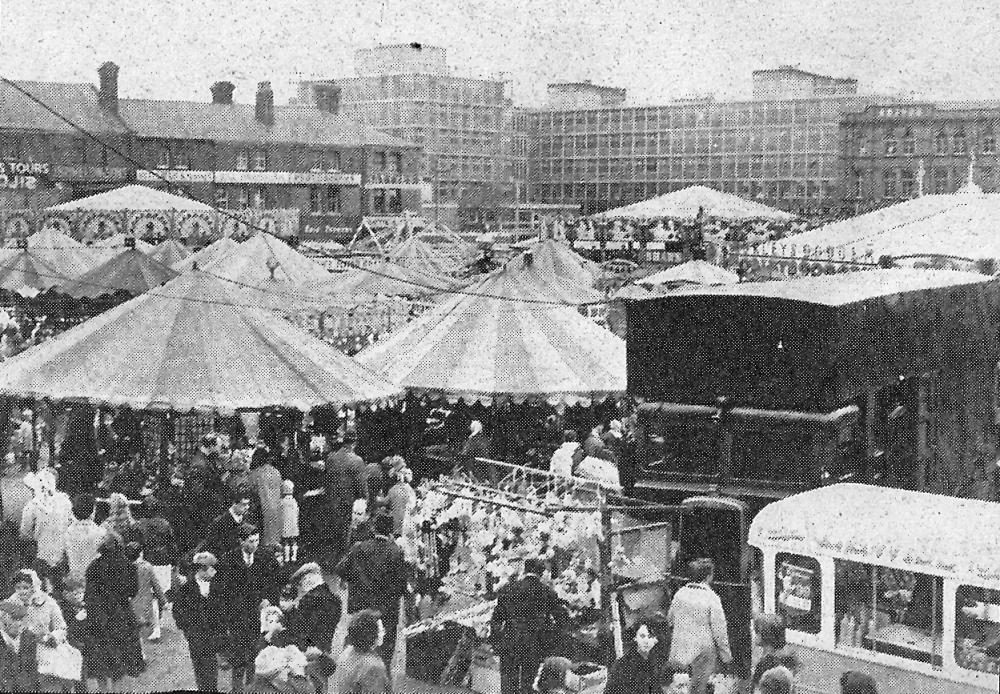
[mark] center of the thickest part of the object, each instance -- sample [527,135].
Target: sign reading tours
[19,175]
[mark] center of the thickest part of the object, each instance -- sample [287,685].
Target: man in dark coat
[311,623]
[223,533]
[204,484]
[246,577]
[345,482]
[375,572]
[527,617]
[199,612]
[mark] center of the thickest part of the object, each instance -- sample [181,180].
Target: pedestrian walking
[344,484]
[360,669]
[700,638]
[204,484]
[200,613]
[375,573]
[120,519]
[265,482]
[111,583]
[247,577]
[44,521]
[401,497]
[222,534]
[18,650]
[527,617]
[83,536]
[160,550]
[643,667]
[150,599]
[77,626]
[312,620]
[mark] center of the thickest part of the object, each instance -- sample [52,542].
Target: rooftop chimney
[107,96]
[265,104]
[222,93]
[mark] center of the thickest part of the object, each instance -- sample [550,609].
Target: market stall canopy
[207,255]
[70,257]
[417,254]
[958,226]
[898,528]
[266,260]
[692,272]
[552,260]
[631,292]
[686,202]
[382,278]
[191,345]
[132,272]
[134,197]
[27,273]
[169,252]
[503,341]
[811,343]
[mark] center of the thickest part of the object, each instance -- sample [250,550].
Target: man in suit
[311,623]
[222,534]
[345,482]
[528,614]
[700,639]
[246,578]
[375,573]
[199,613]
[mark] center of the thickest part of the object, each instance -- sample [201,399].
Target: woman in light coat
[45,519]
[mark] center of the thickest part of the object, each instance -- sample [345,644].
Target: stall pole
[604,557]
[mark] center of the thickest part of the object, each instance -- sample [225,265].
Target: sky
[657,50]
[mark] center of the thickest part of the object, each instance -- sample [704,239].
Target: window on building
[959,144]
[105,156]
[798,592]
[378,201]
[907,183]
[318,160]
[381,161]
[222,198]
[10,148]
[182,157]
[989,142]
[260,160]
[977,628]
[889,183]
[163,156]
[242,160]
[888,611]
[315,200]
[333,200]
[909,144]
[940,181]
[334,161]
[941,143]
[244,197]
[397,162]
[890,142]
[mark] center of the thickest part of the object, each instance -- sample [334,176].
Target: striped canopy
[133,272]
[417,254]
[63,252]
[503,341]
[252,262]
[169,252]
[686,202]
[191,345]
[551,260]
[207,255]
[27,272]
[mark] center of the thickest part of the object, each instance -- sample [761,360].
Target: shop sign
[21,175]
[250,177]
[77,172]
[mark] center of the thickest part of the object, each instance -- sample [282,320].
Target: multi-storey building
[236,156]
[464,124]
[783,151]
[895,151]
[788,82]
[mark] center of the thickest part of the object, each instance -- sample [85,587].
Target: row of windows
[424,86]
[943,143]
[702,167]
[615,192]
[890,611]
[690,143]
[80,150]
[902,182]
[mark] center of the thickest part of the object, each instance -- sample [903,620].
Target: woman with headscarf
[44,520]
[43,617]
[111,583]
[120,519]
[360,668]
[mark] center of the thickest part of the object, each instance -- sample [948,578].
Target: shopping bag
[63,661]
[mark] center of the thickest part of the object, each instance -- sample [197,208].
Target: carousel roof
[898,528]
[685,203]
[417,254]
[693,272]
[191,345]
[27,272]
[503,340]
[132,271]
[207,255]
[384,278]
[134,197]
[169,252]
[253,260]
[959,225]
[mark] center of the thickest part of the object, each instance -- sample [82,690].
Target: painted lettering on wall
[20,175]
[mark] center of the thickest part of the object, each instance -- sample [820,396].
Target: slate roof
[76,102]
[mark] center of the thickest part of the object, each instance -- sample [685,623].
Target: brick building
[895,150]
[236,156]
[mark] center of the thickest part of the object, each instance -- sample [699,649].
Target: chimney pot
[107,96]
[265,104]
[222,93]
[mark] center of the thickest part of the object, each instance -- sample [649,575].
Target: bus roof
[913,531]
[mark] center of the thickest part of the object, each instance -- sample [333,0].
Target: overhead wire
[431,290]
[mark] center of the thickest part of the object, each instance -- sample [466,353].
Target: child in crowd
[18,648]
[289,522]
[77,627]
[149,599]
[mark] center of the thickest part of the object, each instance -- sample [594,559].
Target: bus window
[977,628]
[798,592]
[716,534]
[888,611]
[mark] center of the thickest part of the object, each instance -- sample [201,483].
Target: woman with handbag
[44,619]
